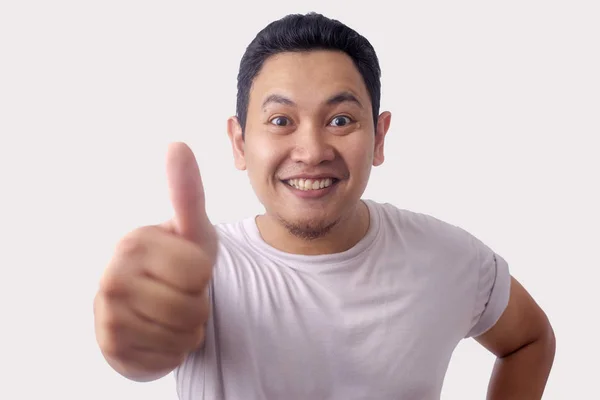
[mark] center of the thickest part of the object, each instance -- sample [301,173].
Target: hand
[152,304]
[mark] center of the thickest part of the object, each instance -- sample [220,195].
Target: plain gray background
[495,128]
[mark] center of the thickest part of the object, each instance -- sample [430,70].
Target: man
[325,295]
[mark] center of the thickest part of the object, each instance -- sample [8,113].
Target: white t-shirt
[379,321]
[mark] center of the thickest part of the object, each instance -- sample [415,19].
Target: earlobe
[383,124]
[234,131]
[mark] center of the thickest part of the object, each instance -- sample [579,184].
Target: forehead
[308,77]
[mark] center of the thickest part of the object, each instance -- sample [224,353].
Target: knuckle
[106,316]
[133,244]
[111,323]
[110,343]
[111,284]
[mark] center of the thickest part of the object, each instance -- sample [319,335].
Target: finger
[145,360]
[162,340]
[124,329]
[167,258]
[187,194]
[167,306]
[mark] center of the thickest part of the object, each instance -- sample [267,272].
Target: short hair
[300,33]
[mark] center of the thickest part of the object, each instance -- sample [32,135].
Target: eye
[280,121]
[341,120]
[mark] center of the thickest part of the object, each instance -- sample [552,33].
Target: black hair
[312,31]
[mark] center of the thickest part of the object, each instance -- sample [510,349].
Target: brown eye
[280,121]
[341,120]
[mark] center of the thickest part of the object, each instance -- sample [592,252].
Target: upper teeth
[310,184]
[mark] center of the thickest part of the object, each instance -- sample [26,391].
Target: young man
[325,295]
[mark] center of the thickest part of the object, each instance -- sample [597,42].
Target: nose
[311,147]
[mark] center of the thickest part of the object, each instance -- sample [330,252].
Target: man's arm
[523,341]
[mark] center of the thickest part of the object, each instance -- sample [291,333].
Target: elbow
[543,341]
[546,344]
[550,341]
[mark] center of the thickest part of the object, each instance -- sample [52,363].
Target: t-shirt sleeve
[493,290]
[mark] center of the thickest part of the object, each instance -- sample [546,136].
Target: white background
[496,119]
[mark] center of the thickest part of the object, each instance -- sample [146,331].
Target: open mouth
[311,184]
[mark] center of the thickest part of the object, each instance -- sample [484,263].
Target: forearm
[524,373]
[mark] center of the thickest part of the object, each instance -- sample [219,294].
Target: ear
[383,124]
[234,130]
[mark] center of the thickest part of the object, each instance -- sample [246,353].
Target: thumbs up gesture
[152,304]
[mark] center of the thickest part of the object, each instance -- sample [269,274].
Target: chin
[308,228]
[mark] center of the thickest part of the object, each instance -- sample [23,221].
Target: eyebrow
[338,98]
[342,98]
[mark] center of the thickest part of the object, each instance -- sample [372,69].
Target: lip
[312,194]
[313,176]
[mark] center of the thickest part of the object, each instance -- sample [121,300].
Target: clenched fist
[152,304]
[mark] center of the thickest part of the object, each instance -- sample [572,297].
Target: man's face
[309,140]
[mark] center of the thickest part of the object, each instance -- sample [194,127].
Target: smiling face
[309,141]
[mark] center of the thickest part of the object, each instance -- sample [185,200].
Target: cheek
[359,155]
[262,158]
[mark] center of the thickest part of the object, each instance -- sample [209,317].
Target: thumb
[187,195]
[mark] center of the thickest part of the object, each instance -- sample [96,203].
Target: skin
[524,343]
[292,129]
[151,306]
[330,138]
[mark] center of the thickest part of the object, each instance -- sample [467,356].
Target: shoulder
[420,227]
[445,245]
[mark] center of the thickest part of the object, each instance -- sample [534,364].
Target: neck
[344,235]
